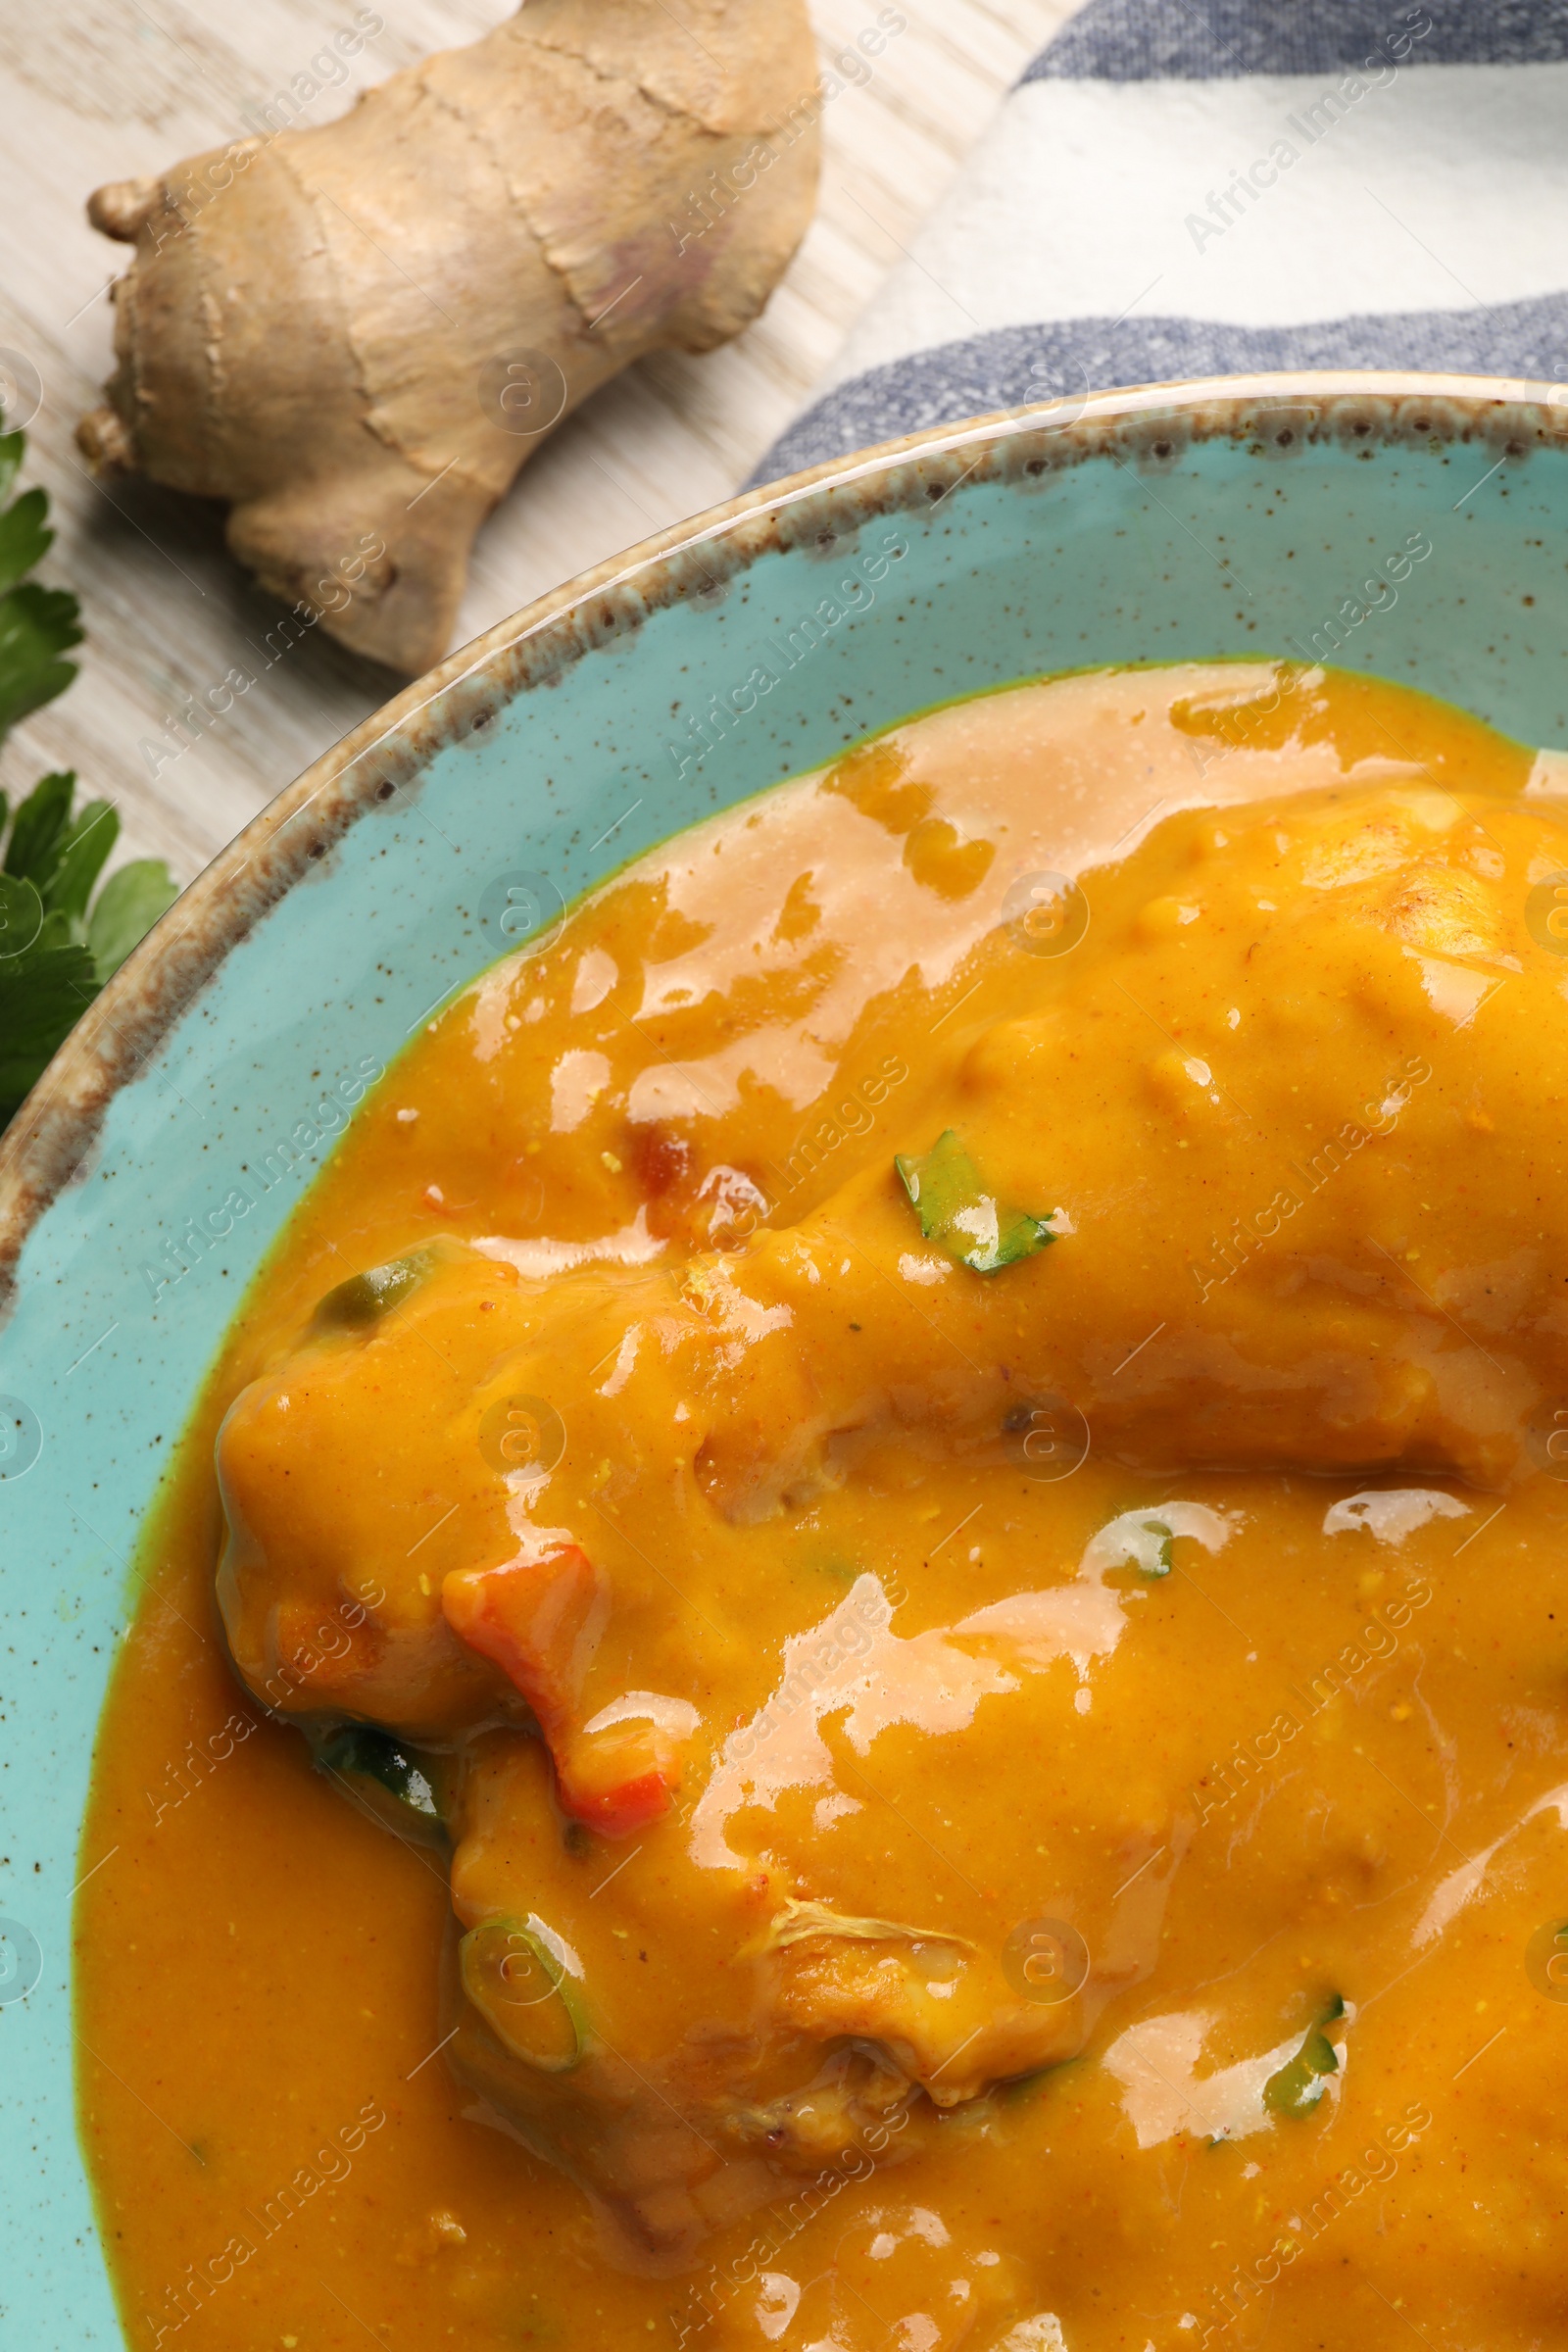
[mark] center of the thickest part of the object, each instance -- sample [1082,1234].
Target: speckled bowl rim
[1147,427]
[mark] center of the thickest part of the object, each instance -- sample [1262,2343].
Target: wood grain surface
[96,90]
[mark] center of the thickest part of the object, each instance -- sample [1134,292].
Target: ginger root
[360,334]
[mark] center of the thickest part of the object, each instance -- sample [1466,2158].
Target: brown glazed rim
[1149,426]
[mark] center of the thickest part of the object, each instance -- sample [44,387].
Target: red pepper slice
[541,1621]
[615,1812]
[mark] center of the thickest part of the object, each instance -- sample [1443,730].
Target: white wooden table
[96,90]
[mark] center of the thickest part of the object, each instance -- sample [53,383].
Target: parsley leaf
[55,954]
[129,905]
[25,538]
[57,948]
[83,846]
[37,627]
[40,821]
[962,1215]
[42,996]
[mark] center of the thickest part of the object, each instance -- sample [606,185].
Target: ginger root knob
[122,208]
[357,335]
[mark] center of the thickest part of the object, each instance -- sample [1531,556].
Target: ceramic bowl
[149,1173]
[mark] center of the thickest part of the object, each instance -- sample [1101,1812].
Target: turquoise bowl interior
[1261,516]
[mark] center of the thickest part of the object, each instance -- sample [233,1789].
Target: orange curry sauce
[952,1487]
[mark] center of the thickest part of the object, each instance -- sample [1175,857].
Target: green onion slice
[524,1994]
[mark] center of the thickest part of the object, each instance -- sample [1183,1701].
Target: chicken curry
[864,1642]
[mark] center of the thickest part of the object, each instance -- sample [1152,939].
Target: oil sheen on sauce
[954,1488]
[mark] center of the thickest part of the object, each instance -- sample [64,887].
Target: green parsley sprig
[58,945]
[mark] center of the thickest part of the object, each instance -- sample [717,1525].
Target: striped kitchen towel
[1212,187]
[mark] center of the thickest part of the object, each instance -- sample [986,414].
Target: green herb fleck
[366,1298]
[397,1785]
[1302,2081]
[957,1212]
[1148,1549]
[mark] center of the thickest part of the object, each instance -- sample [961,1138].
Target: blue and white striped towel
[1210,187]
